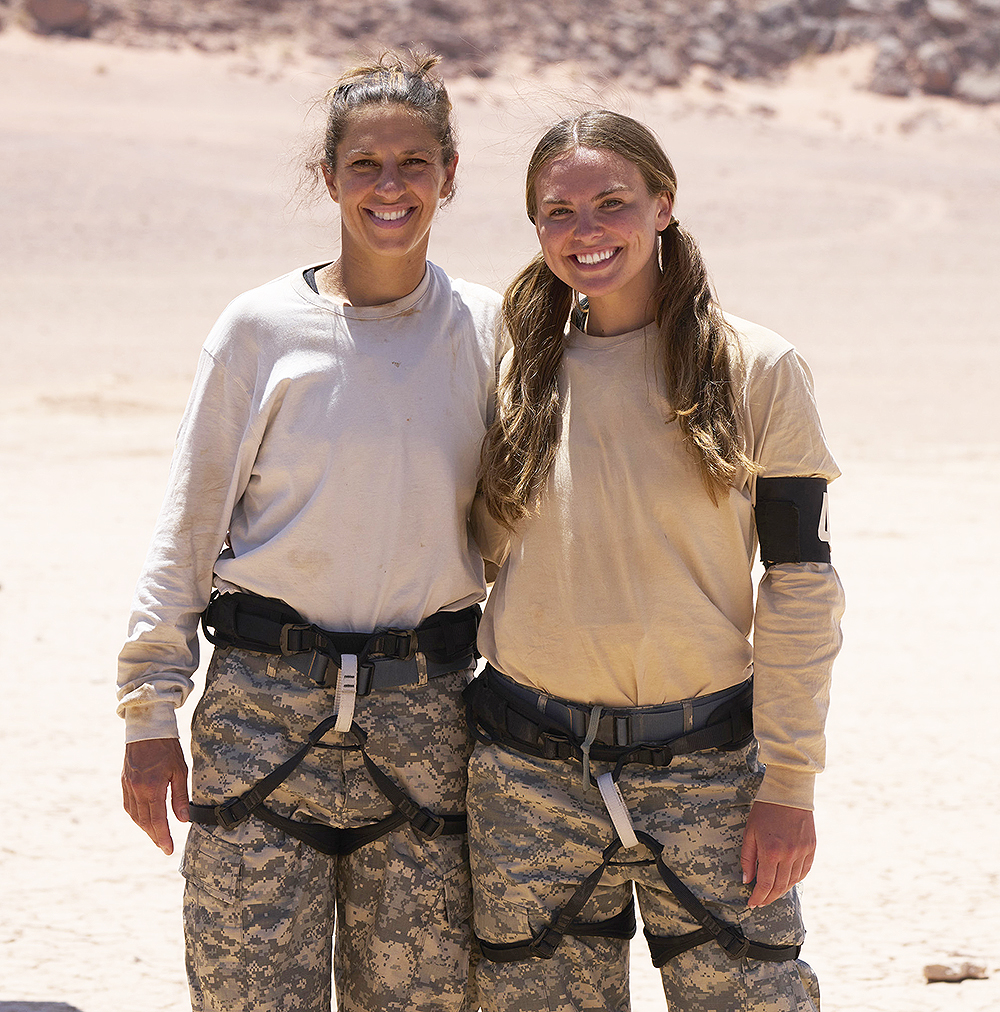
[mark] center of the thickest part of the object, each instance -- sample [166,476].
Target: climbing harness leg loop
[662,949]
[545,942]
[427,824]
[235,811]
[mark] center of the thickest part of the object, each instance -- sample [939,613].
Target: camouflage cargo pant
[260,906]
[536,833]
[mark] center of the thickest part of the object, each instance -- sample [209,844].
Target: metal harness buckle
[286,649]
[542,944]
[231,813]
[398,644]
[735,946]
[427,824]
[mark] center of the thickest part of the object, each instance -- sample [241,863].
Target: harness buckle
[436,824]
[287,649]
[734,945]
[427,824]
[555,746]
[397,644]
[231,813]
[543,946]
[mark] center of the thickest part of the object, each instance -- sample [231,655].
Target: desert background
[840,162]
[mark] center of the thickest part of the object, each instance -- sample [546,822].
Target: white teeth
[595,258]
[390,215]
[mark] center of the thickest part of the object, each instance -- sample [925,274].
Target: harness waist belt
[387,658]
[500,709]
[626,725]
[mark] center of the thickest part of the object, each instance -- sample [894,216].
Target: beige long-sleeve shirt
[630,588]
[333,450]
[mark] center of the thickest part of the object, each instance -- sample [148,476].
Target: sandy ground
[139,191]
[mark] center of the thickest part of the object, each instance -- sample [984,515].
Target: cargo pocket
[499,919]
[257,920]
[458,895]
[446,943]
[212,865]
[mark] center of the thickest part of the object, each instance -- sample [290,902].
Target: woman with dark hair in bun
[645,442]
[317,523]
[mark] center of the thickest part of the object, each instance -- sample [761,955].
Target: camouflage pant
[536,833]
[260,906]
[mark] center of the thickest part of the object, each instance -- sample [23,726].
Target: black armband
[792,520]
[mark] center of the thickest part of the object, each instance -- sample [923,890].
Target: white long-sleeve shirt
[630,588]
[333,451]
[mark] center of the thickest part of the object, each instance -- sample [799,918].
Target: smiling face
[597,225]
[389,178]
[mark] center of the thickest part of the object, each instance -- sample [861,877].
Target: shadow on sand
[37,1006]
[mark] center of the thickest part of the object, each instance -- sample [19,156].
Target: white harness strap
[615,804]
[347,693]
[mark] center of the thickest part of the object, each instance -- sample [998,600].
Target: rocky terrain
[937,47]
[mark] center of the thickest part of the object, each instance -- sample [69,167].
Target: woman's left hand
[778,848]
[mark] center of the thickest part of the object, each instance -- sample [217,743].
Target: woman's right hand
[151,767]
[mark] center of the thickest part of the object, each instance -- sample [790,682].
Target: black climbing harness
[384,659]
[545,942]
[516,717]
[325,838]
[500,710]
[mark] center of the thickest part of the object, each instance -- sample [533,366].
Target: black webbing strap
[731,940]
[545,942]
[324,838]
[270,626]
[234,811]
[622,925]
[663,948]
[515,724]
[425,822]
[327,839]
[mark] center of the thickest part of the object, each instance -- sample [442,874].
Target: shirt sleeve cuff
[788,787]
[149,720]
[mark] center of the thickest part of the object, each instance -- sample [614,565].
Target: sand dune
[142,190]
